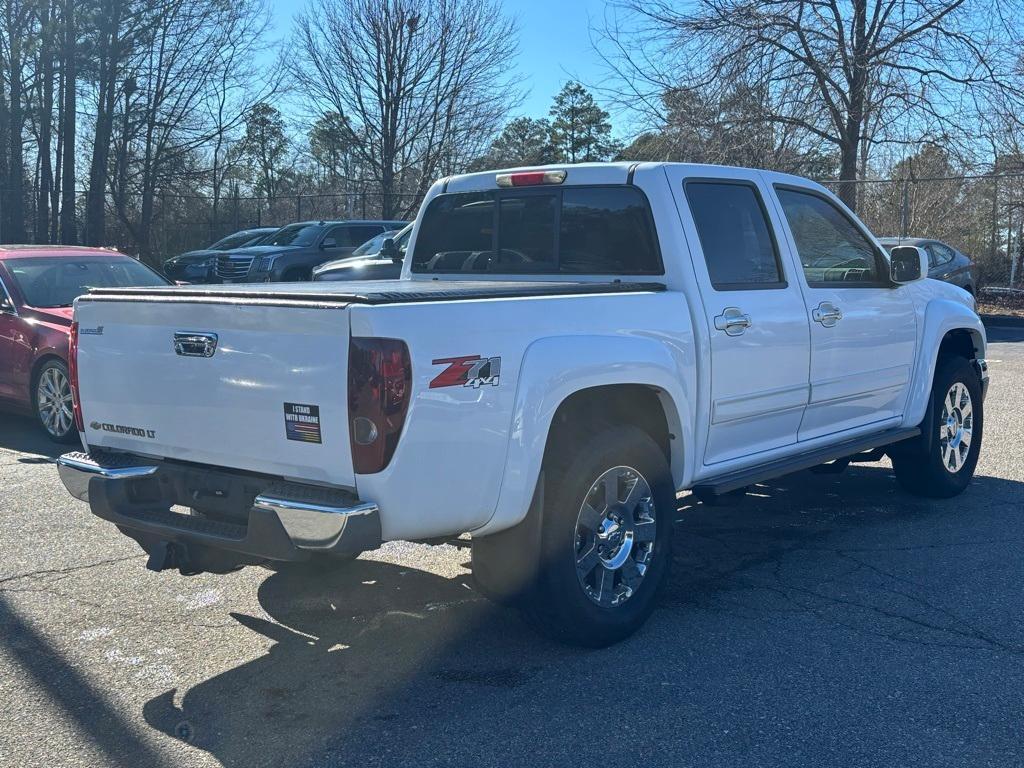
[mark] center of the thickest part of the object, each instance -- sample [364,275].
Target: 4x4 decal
[468,371]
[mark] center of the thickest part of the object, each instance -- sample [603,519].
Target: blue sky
[554,44]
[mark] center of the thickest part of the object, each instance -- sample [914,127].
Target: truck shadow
[411,667]
[23,435]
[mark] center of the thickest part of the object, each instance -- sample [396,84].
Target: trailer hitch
[169,554]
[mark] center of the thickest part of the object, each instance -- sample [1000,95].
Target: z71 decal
[469,371]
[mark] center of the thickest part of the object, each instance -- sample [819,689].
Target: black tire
[60,429]
[559,605]
[922,465]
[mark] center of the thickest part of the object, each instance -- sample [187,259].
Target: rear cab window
[571,230]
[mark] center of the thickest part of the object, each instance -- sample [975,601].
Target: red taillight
[529,178]
[76,401]
[379,384]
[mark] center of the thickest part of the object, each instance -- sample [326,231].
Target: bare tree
[850,74]
[422,84]
[69,124]
[16,18]
[165,119]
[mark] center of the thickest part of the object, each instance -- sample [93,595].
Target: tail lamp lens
[76,401]
[379,388]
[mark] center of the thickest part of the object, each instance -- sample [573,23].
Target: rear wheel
[944,465]
[606,537]
[53,404]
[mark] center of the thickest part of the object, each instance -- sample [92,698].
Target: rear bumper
[254,518]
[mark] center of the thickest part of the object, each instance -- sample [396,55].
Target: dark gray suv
[944,262]
[290,254]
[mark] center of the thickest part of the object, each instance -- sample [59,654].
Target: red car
[37,287]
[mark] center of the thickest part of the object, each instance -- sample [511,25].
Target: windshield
[237,240]
[57,282]
[295,234]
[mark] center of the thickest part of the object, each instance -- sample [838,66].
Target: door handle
[733,321]
[827,313]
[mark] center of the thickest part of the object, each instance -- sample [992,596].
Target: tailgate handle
[189,344]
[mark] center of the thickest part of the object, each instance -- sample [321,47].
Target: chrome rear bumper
[77,469]
[274,520]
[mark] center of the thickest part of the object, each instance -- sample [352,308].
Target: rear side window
[738,246]
[575,230]
[832,249]
[943,254]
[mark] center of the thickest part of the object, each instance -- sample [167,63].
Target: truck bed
[368,292]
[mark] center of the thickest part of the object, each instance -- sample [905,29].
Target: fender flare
[940,317]
[545,383]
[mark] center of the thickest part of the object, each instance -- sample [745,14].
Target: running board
[716,486]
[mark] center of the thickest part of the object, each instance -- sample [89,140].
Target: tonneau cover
[367,292]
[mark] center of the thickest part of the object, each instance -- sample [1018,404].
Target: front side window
[57,282]
[734,234]
[832,249]
[575,230]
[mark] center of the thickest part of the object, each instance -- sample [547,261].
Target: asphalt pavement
[820,620]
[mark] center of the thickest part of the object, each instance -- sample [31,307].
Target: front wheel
[53,404]
[606,537]
[945,467]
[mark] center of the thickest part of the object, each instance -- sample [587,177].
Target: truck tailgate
[271,398]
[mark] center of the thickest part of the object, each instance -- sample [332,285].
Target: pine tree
[580,129]
[266,144]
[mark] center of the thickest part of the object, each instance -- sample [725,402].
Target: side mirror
[329,242]
[388,250]
[909,263]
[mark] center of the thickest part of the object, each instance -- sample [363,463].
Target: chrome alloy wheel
[956,427]
[615,532]
[53,402]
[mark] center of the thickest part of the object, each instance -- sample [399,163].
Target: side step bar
[717,486]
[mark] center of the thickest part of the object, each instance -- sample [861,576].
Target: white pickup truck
[567,349]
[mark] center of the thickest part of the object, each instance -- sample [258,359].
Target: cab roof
[618,172]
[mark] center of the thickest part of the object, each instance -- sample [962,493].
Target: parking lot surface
[820,620]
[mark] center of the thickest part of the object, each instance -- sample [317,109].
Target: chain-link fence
[980,215]
[180,223]
[173,235]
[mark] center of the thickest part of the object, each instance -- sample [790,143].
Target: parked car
[37,287]
[565,351]
[291,253]
[198,266]
[376,259]
[944,261]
